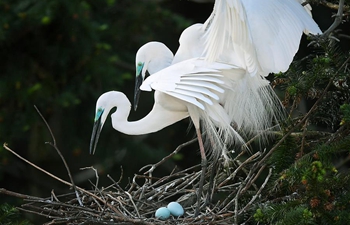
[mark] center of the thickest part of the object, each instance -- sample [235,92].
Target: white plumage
[217,76]
[258,37]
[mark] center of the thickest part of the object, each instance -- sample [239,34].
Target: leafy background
[60,55]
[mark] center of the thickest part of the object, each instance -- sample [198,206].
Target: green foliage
[310,191]
[290,214]
[60,55]
[345,109]
[279,159]
[9,215]
[311,184]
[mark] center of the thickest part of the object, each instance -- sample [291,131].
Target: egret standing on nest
[217,74]
[260,36]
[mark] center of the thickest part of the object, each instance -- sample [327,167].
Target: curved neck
[157,119]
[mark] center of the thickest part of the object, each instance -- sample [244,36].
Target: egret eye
[98,113]
[139,68]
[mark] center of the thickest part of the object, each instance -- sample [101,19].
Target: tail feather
[250,107]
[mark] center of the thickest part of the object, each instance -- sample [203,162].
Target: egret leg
[211,181]
[212,173]
[204,164]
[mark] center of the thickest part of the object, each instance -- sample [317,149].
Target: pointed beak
[95,135]
[138,82]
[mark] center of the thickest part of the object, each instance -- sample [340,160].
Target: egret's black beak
[138,82]
[95,135]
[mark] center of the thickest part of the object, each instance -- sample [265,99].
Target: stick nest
[136,204]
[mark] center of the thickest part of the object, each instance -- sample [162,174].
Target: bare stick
[18,195]
[332,5]
[337,20]
[133,203]
[62,181]
[120,204]
[308,114]
[96,174]
[54,145]
[258,192]
[116,184]
[154,166]
[236,203]
[253,179]
[54,196]
[121,174]
[35,212]
[231,177]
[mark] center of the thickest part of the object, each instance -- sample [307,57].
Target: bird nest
[136,204]
[230,194]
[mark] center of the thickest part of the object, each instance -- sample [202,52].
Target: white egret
[190,88]
[150,58]
[217,74]
[260,36]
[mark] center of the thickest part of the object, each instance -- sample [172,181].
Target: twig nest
[163,213]
[175,209]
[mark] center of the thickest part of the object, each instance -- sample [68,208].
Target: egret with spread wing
[261,36]
[217,75]
[192,88]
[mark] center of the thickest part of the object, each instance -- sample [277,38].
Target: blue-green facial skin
[98,114]
[139,68]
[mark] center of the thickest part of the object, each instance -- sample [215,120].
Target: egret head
[98,124]
[150,58]
[104,104]
[141,74]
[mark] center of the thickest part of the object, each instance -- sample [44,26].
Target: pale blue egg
[162,213]
[175,209]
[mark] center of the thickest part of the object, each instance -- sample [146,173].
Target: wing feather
[186,98]
[201,83]
[201,77]
[196,89]
[193,94]
[264,35]
[180,81]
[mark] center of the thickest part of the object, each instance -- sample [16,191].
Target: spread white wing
[194,81]
[265,34]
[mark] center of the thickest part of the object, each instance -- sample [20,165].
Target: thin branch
[18,195]
[54,145]
[337,20]
[133,203]
[62,181]
[96,174]
[333,6]
[303,120]
[115,183]
[232,176]
[258,192]
[154,166]
[54,196]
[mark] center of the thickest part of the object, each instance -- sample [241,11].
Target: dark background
[61,56]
